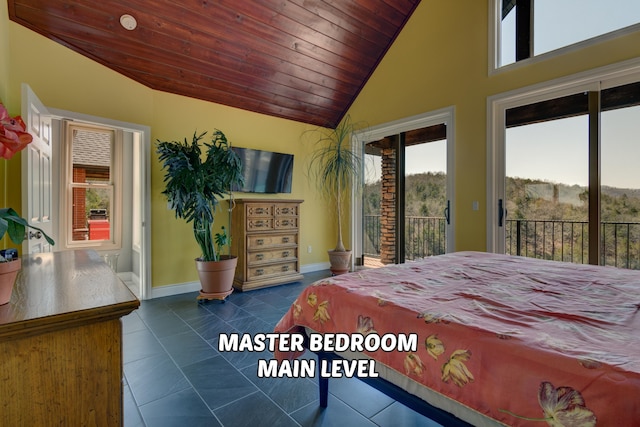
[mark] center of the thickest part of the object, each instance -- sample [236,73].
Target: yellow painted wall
[4,78]
[66,80]
[4,55]
[441,59]
[244,129]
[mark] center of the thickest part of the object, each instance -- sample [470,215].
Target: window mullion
[400,198]
[594,178]
[524,29]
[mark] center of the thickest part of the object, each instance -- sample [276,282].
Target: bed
[502,340]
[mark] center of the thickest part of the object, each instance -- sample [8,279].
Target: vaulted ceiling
[304,60]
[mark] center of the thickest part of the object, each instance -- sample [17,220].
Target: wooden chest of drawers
[265,238]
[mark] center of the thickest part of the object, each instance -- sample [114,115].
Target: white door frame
[360,138]
[144,179]
[497,105]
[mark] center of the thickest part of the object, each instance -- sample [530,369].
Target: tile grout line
[178,367]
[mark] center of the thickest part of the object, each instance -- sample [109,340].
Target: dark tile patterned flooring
[174,375]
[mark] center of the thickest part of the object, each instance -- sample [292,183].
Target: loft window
[531,28]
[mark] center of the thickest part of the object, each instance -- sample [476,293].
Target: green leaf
[15,226]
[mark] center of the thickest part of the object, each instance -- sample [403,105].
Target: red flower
[13,136]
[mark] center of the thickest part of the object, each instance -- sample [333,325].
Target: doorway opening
[407,201]
[405,197]
[129,254]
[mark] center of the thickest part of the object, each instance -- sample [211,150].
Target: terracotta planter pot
[216,277]
[8,273]
[340,262]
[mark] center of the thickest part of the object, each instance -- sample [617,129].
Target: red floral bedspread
[516,339]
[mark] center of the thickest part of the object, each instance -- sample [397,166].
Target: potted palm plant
[335,167]
[14,226]
[194,186]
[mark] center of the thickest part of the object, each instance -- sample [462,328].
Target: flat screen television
[265,171]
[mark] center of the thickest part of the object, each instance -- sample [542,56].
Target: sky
[557,151]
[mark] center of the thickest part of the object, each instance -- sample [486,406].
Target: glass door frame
[359,139]
[592,81]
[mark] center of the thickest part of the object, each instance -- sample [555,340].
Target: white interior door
[36,173]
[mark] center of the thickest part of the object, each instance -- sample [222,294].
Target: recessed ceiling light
[128,22]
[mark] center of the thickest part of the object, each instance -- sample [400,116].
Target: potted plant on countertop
[13,138]
[335,168]
[194,186]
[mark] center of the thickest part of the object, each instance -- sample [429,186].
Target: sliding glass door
[425,200]
[406,201]
[571,187]
[620,187]
[545,211]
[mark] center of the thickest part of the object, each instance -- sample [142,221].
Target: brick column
[79,219]
[388,207]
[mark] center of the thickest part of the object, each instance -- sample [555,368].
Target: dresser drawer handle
[286,222]
[285,268]
[260,242]
[259,224]
[285,254]
[285,211]
[259,272]
[259,257]
[285,240]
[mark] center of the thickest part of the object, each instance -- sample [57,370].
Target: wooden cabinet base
[70,377]
[61,343]
[265,283]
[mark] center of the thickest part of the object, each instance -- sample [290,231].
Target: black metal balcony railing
[372,235]
[546,239]
[426,236]
[569,241]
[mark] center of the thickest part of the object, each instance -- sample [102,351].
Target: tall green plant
[334,167]
[194,185]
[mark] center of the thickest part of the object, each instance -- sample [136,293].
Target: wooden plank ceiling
[304,60]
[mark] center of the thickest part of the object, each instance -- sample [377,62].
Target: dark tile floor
[174,375]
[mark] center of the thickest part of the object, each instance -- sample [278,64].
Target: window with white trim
[564,182]
[92,197]
[525,29]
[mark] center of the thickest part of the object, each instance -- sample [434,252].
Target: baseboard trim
[129,276]
[169,290]
[310,268]
[183,288]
